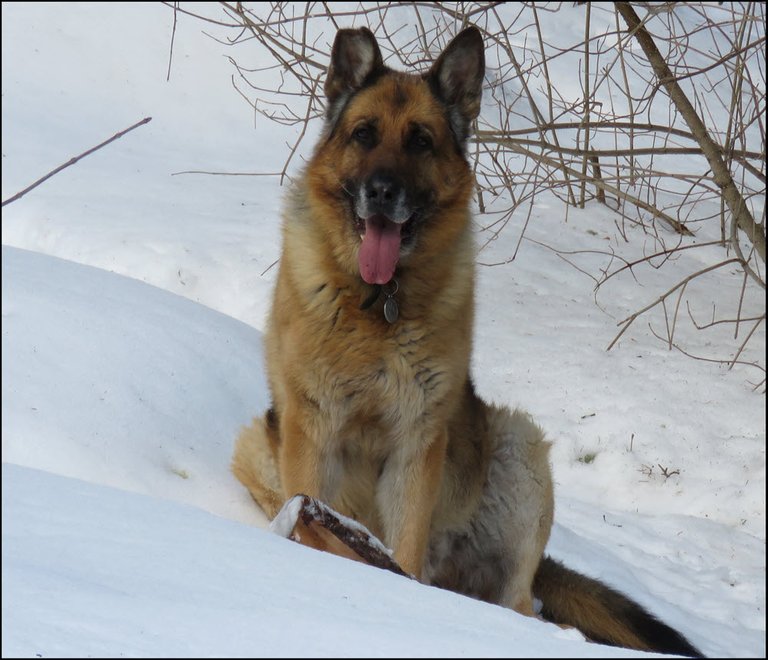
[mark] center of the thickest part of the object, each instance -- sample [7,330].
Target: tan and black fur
[378,418]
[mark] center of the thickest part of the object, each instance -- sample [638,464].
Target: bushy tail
[254,463]
[602,614]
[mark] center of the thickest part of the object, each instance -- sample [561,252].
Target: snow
[144,577]
[111,380]
[132,304]
[285,520]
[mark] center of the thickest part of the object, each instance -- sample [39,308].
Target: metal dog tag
[390,310]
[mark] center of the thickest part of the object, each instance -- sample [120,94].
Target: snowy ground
[124,532]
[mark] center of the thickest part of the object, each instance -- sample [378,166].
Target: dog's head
[390,171]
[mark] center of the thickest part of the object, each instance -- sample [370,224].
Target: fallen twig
[72,161]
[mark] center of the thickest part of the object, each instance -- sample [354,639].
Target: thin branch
[631,319]
[677,226]
[72,161]
[228,173]
[173,37]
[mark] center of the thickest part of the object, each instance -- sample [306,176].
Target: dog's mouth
[382,242]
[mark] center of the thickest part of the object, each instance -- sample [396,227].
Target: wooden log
[313,523]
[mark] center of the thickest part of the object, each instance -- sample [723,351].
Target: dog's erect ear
[457,79]
[354,57]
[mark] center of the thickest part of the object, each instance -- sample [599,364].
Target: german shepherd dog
[368,352]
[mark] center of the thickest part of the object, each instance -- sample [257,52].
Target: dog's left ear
[457,79]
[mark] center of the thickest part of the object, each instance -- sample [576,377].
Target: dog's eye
[419,142]
[364,135]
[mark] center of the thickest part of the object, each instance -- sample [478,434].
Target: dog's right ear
[354,57]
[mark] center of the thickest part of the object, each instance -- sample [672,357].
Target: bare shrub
[665,125]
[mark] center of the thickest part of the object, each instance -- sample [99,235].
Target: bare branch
[628,138]
[72,161]
[722,176]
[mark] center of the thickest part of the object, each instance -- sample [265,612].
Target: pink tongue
[380,250]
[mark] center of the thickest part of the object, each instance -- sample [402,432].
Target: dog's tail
[255,463]
[601,613]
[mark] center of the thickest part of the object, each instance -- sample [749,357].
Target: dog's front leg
[305,461]
[406,496]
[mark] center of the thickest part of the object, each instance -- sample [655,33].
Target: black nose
[382,193]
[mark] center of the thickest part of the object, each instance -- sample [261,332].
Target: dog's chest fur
[366,382]
[359,370]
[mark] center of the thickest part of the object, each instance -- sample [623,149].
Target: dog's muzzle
[382,210]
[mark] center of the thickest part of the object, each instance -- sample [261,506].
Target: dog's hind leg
[494,554]
[519,494]
[255,464]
